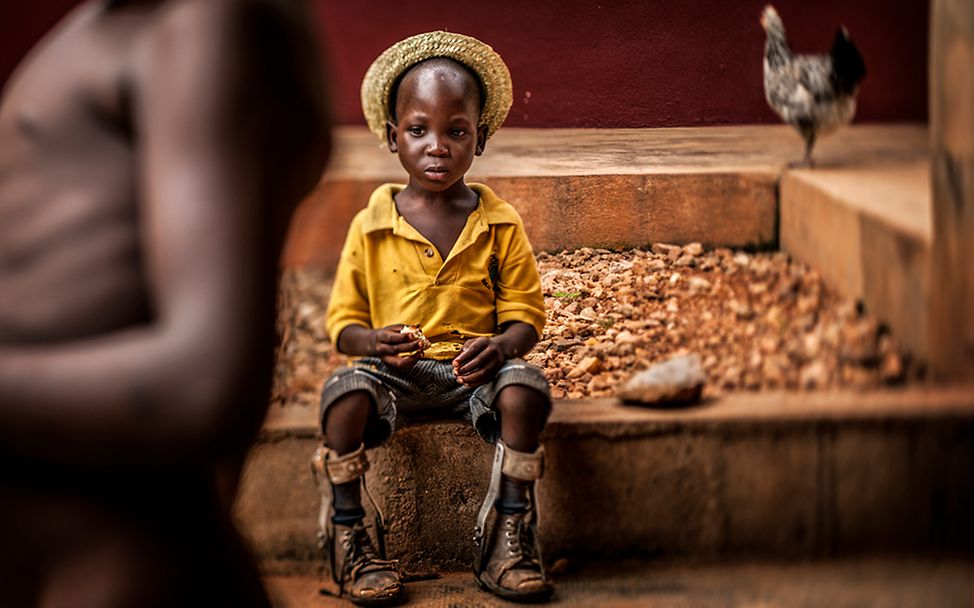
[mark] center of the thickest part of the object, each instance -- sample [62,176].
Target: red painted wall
[612,63]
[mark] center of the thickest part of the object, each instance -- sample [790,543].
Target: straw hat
[394,61]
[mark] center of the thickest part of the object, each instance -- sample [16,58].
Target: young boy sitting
[452,261]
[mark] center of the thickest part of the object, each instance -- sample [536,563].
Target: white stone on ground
[676,380]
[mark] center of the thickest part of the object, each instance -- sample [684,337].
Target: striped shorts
[428,390]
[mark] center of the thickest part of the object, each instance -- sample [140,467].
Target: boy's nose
[437,148]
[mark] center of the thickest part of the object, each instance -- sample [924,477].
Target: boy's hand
[478,362]
[388,342]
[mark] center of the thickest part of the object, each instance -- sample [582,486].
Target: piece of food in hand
[416,333]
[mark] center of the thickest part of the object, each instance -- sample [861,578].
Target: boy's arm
[520,314]
[190,382]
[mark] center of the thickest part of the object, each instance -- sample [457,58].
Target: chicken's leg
[809,143]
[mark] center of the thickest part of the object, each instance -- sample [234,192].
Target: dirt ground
[758,321]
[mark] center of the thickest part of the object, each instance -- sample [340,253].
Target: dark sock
[347,503]
[514,496]
[348,517]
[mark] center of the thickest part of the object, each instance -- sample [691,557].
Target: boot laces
[519,537]
[358,548]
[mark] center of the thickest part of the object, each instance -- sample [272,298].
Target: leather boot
[365,578]
[507,561]
[513,570]
[361,572]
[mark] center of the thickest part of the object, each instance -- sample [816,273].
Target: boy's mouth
[437,172]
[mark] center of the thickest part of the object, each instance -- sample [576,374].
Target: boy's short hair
[394,90]
[386,72]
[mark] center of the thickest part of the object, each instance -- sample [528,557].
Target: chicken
[816,94]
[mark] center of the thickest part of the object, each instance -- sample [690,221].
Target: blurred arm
[227,143]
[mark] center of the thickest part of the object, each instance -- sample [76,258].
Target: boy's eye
[417,131]
[458,132]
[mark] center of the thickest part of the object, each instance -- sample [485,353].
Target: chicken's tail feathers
[848,65]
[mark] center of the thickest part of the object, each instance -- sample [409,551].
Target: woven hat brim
[476,55]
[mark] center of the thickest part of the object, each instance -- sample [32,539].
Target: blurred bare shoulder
[263,70]
[151,155]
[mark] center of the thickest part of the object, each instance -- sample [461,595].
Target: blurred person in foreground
[151,154]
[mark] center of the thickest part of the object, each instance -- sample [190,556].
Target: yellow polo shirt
[390,273]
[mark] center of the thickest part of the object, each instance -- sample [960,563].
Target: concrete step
[867,228]
[609,187]
[870,582]
[782,475]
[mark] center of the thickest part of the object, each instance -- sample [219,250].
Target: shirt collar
[381,212]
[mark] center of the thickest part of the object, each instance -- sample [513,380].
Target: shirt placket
[426,254]
[475,226]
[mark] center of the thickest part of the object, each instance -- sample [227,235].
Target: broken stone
[664,249]
[588,365]
[807,336]
[678,380]
[698,284]
[861,340]
[813,375]
[625,337]
[891,367]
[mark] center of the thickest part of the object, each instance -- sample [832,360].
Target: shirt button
[428,252]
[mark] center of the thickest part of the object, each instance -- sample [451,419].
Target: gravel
[757,321]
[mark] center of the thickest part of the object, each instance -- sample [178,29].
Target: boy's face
[436,134]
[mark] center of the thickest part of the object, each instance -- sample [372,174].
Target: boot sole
[529,597]
[392,600]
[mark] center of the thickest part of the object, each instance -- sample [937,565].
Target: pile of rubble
[757,321]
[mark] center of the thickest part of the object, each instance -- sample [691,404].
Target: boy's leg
[523,412]
[512,568]
[344,427]
[364,575]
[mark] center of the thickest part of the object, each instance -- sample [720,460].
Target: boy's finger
[462,357]
[385,349]
[405,347]
[474,379]
[458,361]
[394,337]
[470,349]
[476,363]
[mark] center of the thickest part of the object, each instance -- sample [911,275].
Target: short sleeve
[519,296]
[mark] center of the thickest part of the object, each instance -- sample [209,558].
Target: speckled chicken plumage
[816,94]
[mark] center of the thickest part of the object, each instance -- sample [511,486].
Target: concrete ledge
[607,187]
[791,475]
[868,230]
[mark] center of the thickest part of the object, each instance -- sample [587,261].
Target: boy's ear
[391,134]
[481,139]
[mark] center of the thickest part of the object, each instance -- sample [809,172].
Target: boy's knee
[522,403]
[344,420]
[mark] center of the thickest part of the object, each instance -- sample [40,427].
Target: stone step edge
[566,152]
[713,185]
[878,226]
[609,416]
[803,466]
